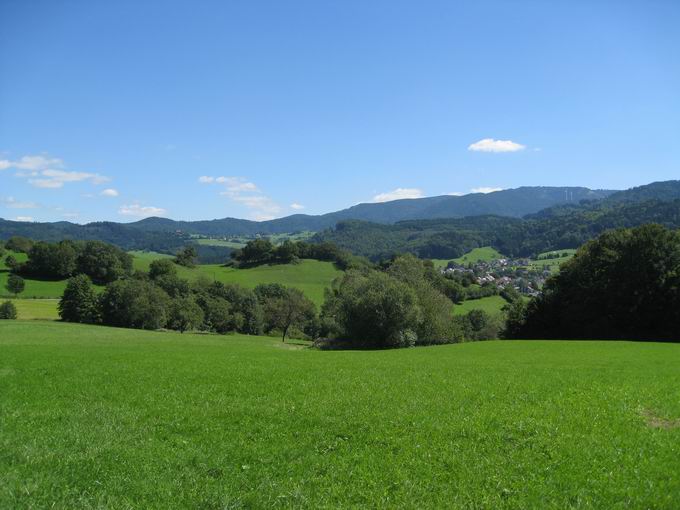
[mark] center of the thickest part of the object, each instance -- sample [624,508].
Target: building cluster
[504,272]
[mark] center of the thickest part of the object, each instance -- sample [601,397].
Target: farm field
[484,254]
[310,276]
[34,288]
[104,417]
[220,242]
[491,305]
[552,264]
[32,309]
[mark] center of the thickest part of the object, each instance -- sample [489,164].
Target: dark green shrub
[8,310]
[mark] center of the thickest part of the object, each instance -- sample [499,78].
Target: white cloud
[485,189]
[32,163]
[23,218]
[45,172]
[456,193]
[109,192]
[491,145]
[13,203]
[296,206]
[398,194]
[245,192]
[141,211]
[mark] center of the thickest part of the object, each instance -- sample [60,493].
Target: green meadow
[310,276]
[485,254]
[32,309]
[34,288]
[491,304]
[552,264]
[96,417]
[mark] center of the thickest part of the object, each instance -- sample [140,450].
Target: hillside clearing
[491,305]
[310,276]
[103,417]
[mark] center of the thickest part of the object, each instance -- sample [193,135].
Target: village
[519,274]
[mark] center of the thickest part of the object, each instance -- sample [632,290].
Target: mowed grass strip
[32,309]
[310,276]
[102,417]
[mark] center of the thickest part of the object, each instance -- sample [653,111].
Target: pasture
[102,417]
[32,309]
[310,276]
[553,264]
[491,305]
[34,288]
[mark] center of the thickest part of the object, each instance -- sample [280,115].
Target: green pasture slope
[310,276]
[484,254]
[96,417]
[491,305]
[43,309]
[34,288]
[552,264]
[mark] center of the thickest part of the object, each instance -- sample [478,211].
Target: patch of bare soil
[655,421]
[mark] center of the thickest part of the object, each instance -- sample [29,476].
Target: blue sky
[201,109]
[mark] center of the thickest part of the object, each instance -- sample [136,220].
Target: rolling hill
[161,234]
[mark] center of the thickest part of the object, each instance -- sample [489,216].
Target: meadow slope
[101,417]
[310,276]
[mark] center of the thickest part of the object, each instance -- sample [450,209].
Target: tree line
[263,251]
[160,299]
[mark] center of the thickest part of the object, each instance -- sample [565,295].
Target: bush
[184,314]
[51,260]
[8,310]
[15,284]
[375,310]
[134,304]
[103,262]
[162,267]
[79,301]
[186,256]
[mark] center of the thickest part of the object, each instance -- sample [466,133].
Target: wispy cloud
[13,203]
[485,189]
[245,192]
[109,192]
[45,172]
[491,145]
[141,211]
[23,218]
[398,194]
[296,206]
[31,163]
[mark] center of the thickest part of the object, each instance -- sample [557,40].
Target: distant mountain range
[511,202]
[164,234]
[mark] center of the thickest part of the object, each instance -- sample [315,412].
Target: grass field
[310,276]
[220,242]
[34,288]
[484,254]
[31,309]
[492,305]
[552,264]
[96,417]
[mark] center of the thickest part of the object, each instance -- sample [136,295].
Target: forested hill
[433,227]
[511,202]
[451,238]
